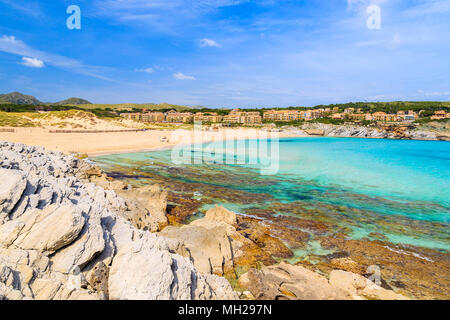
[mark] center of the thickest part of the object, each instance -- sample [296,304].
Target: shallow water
[396,188]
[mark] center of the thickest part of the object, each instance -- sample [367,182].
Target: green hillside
[72,101]
[18,98]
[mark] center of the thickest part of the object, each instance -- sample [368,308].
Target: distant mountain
[18,98]
[72,101]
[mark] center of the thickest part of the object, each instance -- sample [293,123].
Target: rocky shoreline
[378,132]
[68,231]
[62,238]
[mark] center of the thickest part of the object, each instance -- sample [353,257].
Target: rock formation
[146,207]
[63,238]
[293,282]
[212,243]
[359,131]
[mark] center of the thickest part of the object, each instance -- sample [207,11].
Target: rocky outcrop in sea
[64,238]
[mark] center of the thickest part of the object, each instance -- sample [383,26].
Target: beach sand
[120,142]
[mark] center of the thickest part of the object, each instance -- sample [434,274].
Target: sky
[227,53]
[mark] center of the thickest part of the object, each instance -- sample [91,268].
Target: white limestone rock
[44,230]
[12,185]
[56,230]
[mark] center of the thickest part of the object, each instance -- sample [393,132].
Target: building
[179,117]
[211,117]
[356,116]
[282,115]
[338,116]
[131,116]
[384,117]
[238,116]
[349,110]
[441,114]
[152,117]
[408,116]
[309,115]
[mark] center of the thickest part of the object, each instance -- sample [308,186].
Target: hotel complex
[236,116]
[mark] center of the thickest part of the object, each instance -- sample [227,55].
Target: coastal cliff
[67,231]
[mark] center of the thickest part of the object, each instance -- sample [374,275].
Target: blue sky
[226,53]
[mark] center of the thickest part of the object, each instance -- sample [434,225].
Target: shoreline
[105,153]
[128,142]
[170,146]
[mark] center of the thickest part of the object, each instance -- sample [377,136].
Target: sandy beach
[119,142]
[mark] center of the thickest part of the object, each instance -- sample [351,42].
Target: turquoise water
[383,186]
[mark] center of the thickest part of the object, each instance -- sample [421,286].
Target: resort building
[309,115]
[441,114]
[152,117]
[384,117]
[360,116]
[237,116]
[211,117]
[281,115]
[349,110]
[295,115]
[144,117]
[338,116]
[179,117]
[131,116]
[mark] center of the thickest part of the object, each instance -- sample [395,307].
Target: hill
[135,106]
[18,98]
[72,101]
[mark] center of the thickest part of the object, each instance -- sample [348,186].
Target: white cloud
[146,70]
[209,43]
[32,62]
[181,76]
[10,44]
